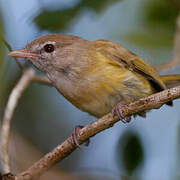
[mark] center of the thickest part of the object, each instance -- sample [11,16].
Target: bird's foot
[74,137]
[117,110]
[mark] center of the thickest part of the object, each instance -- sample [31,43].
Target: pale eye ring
[49,48]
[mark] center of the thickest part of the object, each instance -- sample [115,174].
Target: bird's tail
[171,80]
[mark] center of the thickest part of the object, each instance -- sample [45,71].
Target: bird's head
[51,51]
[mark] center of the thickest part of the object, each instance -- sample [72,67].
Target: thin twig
[168,65]
[176,57]
[10,49]
[9,110]
[177,40]
[42,80]
[66,148]
[36,78]
[28,75]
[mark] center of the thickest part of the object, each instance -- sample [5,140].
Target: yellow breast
[105,84]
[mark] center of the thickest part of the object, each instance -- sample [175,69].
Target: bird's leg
[118,111]
[75,135]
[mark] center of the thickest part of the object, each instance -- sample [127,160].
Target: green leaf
[130,152]
[161,14]
[62,19]
[157,19]
[147,40]
[55,20]
[98,6]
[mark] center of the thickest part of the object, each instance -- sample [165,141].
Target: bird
[97,76]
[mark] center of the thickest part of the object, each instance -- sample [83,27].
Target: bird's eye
[49,48]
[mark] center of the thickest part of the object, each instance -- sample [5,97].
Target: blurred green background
[145,149]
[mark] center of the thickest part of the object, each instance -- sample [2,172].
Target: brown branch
[36,78]
[168,65]
[10,49]
[177,40]
[26,78]
[66,148]
[41,79]
[176,59]
[21,160]
[9,110]
[28,75]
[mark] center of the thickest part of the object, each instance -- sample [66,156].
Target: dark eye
[49,48]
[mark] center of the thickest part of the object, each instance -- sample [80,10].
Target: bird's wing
[127,59]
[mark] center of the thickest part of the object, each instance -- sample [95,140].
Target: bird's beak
[22,53]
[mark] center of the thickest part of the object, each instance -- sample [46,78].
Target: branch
[10,49]
[9,110]
[26,78]
[41,79]
[177,40]
[168,65]
[28,75]
[176,59]
[36,78]
[66,148]
[21,160]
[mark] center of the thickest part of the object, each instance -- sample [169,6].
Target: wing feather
[127,59]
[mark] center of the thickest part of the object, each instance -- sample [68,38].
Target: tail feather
[171,80]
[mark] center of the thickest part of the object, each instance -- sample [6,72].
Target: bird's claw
[74,137]
[117,110]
